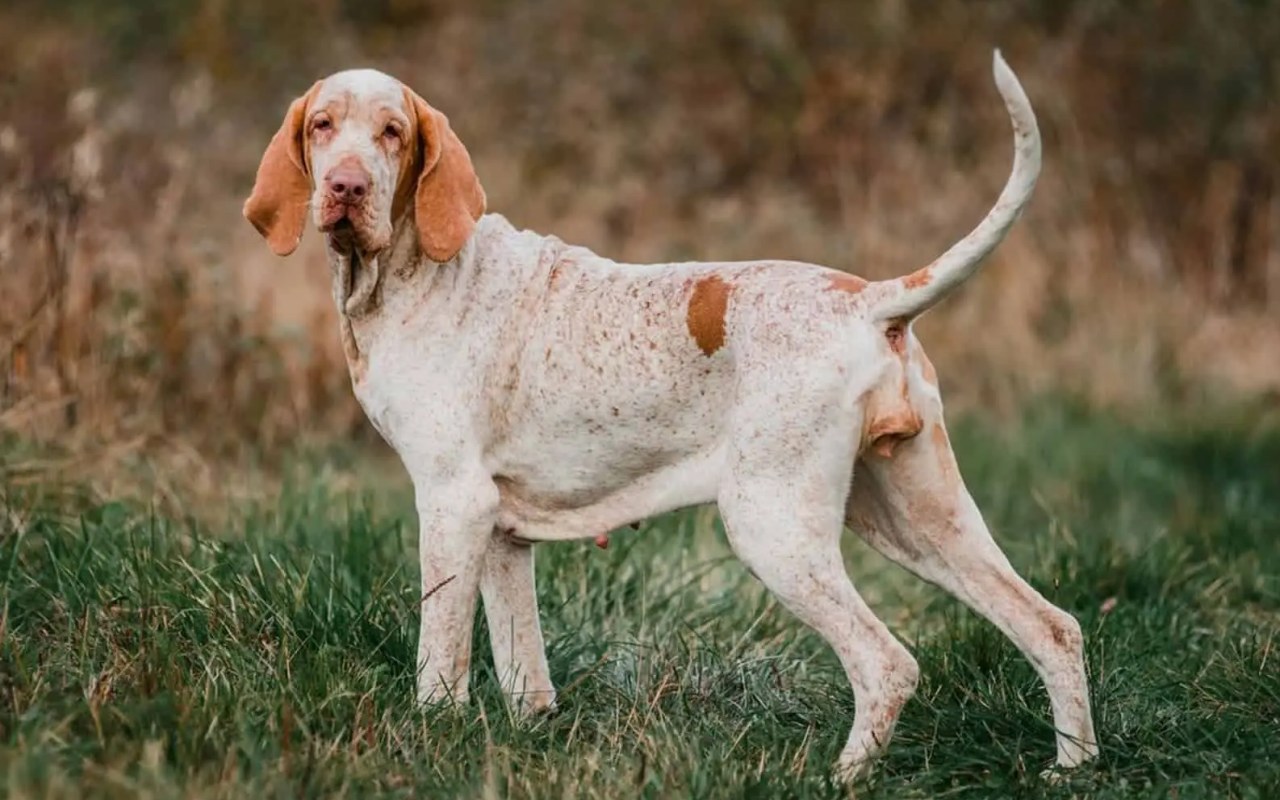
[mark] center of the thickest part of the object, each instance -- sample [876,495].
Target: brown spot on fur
[707,307]
[844,282]
[558,266]
[920,277]
[1061,629]
[1059,636]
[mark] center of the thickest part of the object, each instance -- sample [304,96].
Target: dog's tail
[902,299]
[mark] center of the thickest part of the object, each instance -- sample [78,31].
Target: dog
[536,391]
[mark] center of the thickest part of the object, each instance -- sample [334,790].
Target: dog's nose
[348,184]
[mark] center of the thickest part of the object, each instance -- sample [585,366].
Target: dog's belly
[590,453]
[533,508]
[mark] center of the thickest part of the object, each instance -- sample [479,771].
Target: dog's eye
[321,124]
[392,131]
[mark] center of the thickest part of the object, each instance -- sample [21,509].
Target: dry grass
[142,311]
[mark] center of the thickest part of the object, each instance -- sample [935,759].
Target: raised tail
[909,296]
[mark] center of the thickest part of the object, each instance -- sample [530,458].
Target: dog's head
[363,152]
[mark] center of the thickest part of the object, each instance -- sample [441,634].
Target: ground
[272,655]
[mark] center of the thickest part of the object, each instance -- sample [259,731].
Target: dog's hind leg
[783,520]
[914,508]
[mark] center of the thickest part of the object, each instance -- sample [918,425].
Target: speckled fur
[536,391]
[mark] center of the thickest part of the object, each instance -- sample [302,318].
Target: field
[207,572]
[270,653]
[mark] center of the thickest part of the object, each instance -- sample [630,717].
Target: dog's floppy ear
[277,207]
[448,200]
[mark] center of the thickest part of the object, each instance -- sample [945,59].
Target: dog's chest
[383,404]
[415,392]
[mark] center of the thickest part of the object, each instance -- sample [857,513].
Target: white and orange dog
[536,391]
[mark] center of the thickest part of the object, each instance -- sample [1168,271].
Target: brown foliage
[863,136]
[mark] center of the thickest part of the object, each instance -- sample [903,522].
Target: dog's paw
[850,770]
[1055,774]
[439,694]
[533,704]
[1072,755]
[1059,773]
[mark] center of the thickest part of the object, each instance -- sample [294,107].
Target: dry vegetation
[139,308]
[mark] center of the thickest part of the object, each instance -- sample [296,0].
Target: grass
[273,656]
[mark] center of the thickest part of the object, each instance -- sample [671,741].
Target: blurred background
[142,318]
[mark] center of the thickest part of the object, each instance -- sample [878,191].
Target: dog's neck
[361,281]
[357,273]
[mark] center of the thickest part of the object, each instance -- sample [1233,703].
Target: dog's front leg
[455,518]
